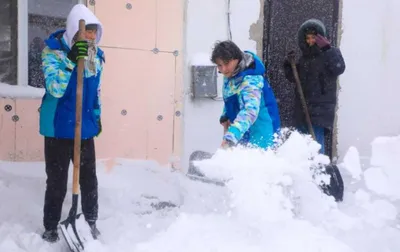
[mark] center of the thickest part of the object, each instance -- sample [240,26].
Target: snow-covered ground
[271,203]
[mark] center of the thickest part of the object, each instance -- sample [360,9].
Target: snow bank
[273,199]
[352,163]
[383,177]
[271,202]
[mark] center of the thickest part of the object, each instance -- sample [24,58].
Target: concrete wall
[141,87]
[181,30]
[368,101]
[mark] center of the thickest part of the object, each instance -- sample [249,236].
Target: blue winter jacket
[251,107]
[57,113]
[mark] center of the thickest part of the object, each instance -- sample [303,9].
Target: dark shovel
[335,187]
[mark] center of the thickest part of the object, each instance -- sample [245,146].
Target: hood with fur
[311,24]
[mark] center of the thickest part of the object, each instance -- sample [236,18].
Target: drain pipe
[228,16]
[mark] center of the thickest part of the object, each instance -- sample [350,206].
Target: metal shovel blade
[71,235]
[194,174]
[68,228]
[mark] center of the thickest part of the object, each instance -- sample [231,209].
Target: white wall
[370,88]
[206,22]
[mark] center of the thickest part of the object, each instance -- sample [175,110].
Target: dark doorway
[282,19]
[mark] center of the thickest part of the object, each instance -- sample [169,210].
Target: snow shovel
[194,174]
[74,241]
[335,187]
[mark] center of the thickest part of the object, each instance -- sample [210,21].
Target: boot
[93,229]
[51,236]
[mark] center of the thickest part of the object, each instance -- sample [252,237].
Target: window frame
[23,47]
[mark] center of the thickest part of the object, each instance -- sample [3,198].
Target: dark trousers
[58,154]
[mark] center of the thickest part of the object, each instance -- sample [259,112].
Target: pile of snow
[271,202]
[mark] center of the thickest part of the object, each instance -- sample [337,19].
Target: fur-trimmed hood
[311,24]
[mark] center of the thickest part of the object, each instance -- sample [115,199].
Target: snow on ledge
[201,59]
[17,91]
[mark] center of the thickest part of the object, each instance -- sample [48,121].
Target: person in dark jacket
[319,67]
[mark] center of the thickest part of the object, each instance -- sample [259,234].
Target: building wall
[207,22]
[147,83]
[19,138]
[141,87]
[368,100]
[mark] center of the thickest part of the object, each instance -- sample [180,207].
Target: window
[24,25]
[8,41]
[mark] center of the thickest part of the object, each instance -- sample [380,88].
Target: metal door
[282,19]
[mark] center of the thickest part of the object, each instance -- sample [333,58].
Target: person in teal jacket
[57,116]
[250,114]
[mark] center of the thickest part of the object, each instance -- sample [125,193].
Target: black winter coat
[318,71]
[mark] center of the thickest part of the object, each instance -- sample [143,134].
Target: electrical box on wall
[204,76]
[204,81]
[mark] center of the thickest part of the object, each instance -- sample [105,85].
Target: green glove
[78,51]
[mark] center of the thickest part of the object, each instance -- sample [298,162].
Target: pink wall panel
[170,16]
[178,112]
[7,130]
[160,104]
[128,28]
[138,87]
[125,88]
[141,83]
[28,142]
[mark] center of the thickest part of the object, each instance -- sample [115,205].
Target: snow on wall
[206,22]
[11,91]
[368,101]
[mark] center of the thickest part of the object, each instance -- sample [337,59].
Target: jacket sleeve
[97,105]
[223,117]
[334,61]
[250,94]
[100,60]
[55,75]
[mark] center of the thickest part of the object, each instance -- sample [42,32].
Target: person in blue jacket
[57,116]
[250,114]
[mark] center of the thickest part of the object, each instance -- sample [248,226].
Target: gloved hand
[224,121]
[291,57]
[78,51]
[322,42]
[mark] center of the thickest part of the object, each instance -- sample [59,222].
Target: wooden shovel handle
[78,113]
[302,99]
